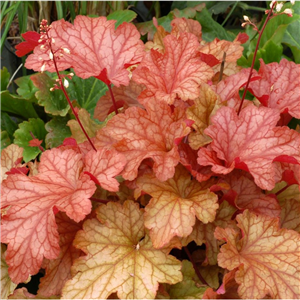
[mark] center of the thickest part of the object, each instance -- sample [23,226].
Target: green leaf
[190,287]
[17,105]
[23,136]
[86,92]
[54,102]
[8,125]
[122,16]
[57,131]
[220,7]
[26,88]
[5,140]
[4,79]
[291,36]
[211,29]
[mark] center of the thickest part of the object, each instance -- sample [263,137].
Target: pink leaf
[96,49]
[249,141]
[29,225]
[105,164]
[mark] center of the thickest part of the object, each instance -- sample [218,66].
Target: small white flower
[293,2]
[51,55]
[288,12]
[271,4]
[246,18]
[43,68]
[66,83]
[279,6]
[53,40]
[66,50]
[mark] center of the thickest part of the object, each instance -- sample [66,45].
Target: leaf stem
[254,57]
[69,101]
[100,200]
[194,266]
[113,98]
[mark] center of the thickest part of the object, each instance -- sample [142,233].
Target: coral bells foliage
[178,159]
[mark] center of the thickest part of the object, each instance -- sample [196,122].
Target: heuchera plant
[182,157]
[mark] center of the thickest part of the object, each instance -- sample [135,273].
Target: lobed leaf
[29,225]
[251,142]
[119,257]
[267,258]
[175,203]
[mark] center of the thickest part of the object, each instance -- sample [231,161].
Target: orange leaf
[175,203]
[177,72]
[152,133]
[29,225]
[268,258]
[119,257]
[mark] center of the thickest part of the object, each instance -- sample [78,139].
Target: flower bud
[66,83]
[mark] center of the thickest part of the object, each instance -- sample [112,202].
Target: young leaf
[279,87]
[177,72]
[31,41]
[251,142]
[268,258]
[29,225]
[58,270]
[101,51]
[119,257]
[151,133]
[23,137]
[175,203]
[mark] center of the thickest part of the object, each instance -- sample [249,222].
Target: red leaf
[95,46]
[31,41]
[250,139]
[142,134]
[177,72]
[279,87]
[35,143]
[29,225]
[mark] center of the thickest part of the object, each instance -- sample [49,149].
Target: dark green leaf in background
[17,105]
[4,79]
[5,140]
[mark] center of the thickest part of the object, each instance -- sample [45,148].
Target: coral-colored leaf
[29,225]
[177,72]
[10,158]
[7,286]
[151,133]
[125,96]
[204,233]
[120,257]
[280,85]
[105,164]
[96,49]
[35,143]
[245,194]
[22,293]
[205,106]
[249,141]
[175,203]
[268,258]
[186,25]
[31,41]
[58,270]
